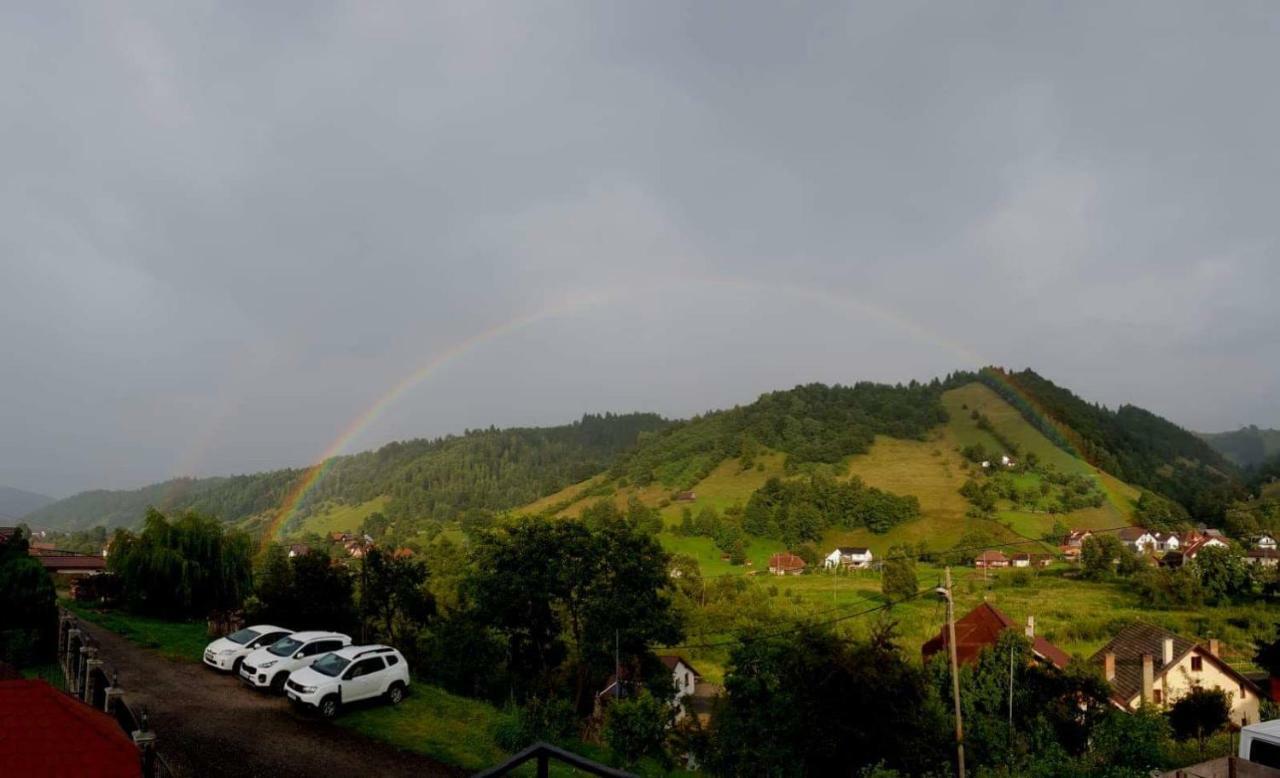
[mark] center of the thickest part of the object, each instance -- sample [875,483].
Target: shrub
[637,727]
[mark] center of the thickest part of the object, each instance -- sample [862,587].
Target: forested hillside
[15,503]
[1132,444]
[426,479]
[1247,446]
[810,424]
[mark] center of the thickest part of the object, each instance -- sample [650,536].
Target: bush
[637,727]
[551,720]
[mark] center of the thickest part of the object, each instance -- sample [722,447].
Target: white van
[1260,743]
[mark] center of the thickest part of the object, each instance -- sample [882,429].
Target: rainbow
[316,473]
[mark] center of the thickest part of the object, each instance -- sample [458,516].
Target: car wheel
[395,695]
[329,707]
[235,666]
[277,683]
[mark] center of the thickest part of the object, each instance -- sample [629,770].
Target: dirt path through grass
[210,724]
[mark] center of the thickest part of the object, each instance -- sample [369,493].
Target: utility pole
[617,668]
[1011,701]
[955,668]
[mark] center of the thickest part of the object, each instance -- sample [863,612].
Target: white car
[227,653]
[270,666]
[354,673]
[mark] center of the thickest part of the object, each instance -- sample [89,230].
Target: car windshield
[242,637]
[285,646]
[330,665]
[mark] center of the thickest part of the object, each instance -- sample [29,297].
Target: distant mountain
[435,479]
[809,428]
[16,503]
[1247,446]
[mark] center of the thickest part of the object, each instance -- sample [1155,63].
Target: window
[393,660]
[1157,696]
[364,667]
[1197,664]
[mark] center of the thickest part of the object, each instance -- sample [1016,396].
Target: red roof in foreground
[980,628]
[47,733]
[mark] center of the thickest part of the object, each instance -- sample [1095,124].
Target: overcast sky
[227,232]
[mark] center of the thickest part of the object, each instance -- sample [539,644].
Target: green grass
[431,721]
[183,640]
[455,730]
[339,518]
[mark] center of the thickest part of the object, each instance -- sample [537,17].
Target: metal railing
[544,754]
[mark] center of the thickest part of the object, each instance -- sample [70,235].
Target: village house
[299,549]
[1265,542]
[1263,557]
[786,563]
[1073,543]
[691,694]
[1020,560]
[1138,540]
[1145,663]
[990,559]
[1166,541]
[686,496]
[1190,550]
[981,627]
[848,556]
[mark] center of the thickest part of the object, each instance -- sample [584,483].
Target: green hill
[422,480]
[1247,446]
[865,464]
[15,503]
[924,464]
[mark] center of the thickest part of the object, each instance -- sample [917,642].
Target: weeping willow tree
[186,567]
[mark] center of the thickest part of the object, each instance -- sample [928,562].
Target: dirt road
[208,723]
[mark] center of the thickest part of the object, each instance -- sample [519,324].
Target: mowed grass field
[338,518]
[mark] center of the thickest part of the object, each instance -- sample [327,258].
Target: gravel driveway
[208,723]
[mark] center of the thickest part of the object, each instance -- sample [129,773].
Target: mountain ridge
[482,472]
[16,503]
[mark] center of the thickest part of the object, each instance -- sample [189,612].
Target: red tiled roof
[981,628]
[72,562]
[48,733]
[992,556]
[786,561]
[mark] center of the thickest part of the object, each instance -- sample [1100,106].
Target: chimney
[1168,651]
[1214,647]
[1031,626]
[1148,677]
[1109,666]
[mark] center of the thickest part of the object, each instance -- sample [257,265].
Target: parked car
[351,674]
[227,653]
[270,666]
[1260,743]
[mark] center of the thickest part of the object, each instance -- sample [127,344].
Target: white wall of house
[1181,678]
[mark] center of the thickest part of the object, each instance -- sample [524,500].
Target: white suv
[354,673]
[271,666]
[227,653]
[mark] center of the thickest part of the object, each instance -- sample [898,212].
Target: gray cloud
[230,231]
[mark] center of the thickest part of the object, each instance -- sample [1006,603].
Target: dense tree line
[1132,444]
[813,423]
[800,510]
[438,479]
[182,568]
[28,615]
